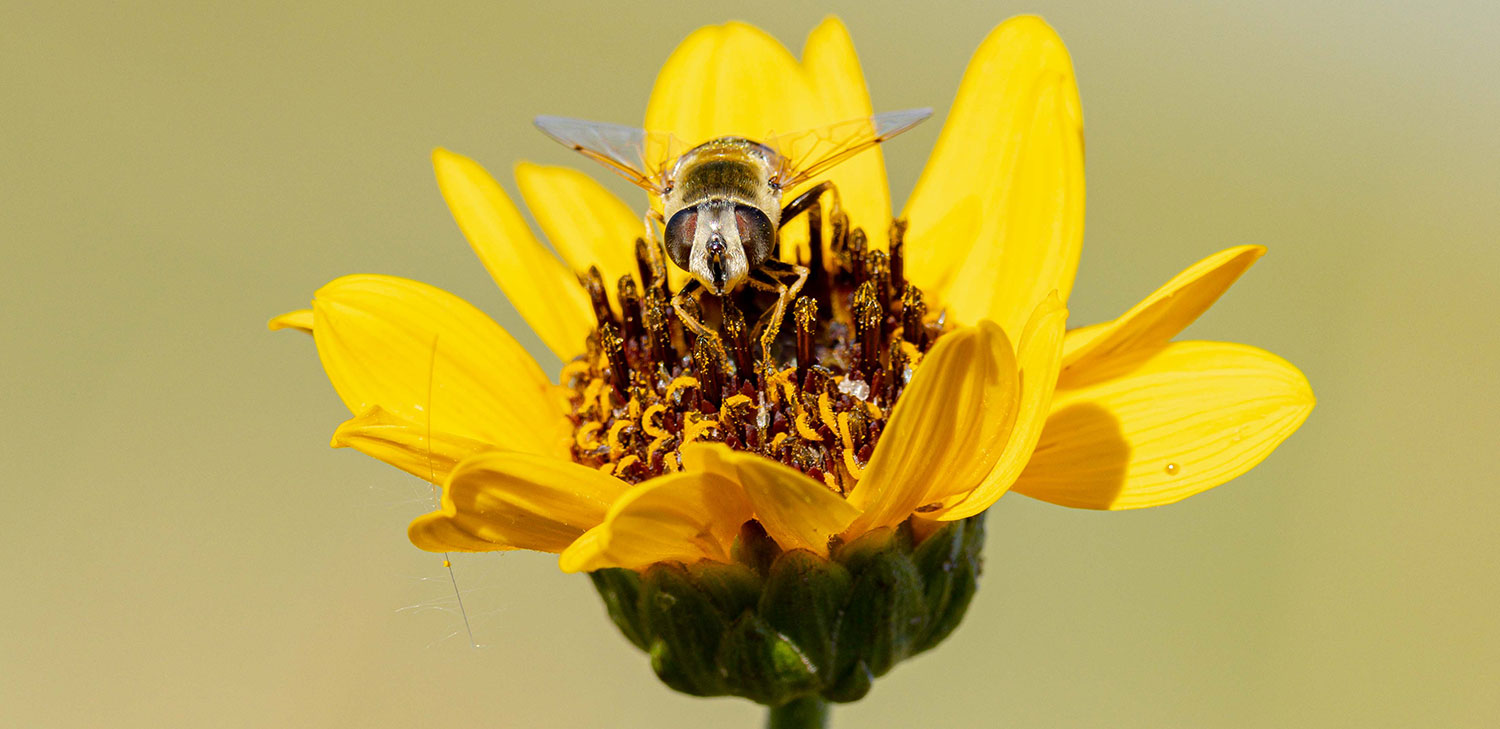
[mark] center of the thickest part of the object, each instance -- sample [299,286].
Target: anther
[805,312]
[878,264]
[614,351]
[630,309]
[737,337]
[898,254]
[593,282]
[896,373]
[867,325]
[657,315]
[709,368]
[648,260]
[858,253]
[913,312]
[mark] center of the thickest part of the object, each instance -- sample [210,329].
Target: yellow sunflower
[924,403]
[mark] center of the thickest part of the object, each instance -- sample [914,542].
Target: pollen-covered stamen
[868,320]
[646,386]
[898,255]
[614,353]
[593,283]
[737,337]
[656,314]
[913,317]
[708,367]
[630,309]
[805,312]
[651,266]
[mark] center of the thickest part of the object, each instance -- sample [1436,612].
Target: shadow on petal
[1087,478]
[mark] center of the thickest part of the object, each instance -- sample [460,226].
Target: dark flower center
[647,385]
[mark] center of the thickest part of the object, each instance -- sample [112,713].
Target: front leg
[774,275]
[802,203]
[692,290]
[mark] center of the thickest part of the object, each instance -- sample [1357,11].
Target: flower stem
[809,712]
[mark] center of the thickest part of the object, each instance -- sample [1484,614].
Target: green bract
[774,626]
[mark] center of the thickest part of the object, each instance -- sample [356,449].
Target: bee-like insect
[721,200]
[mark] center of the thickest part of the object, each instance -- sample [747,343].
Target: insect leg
[692,290]
[806,200]
[773,275]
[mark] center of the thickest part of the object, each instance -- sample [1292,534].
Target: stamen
[593,282]
[630,309]
[898,254]
[614,350]
[646,385]
[913,311]
[648,261]
[708,365]
[657,314]
[868,316]
[805,312]
[737,337]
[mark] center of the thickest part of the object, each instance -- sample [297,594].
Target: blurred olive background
[182,548]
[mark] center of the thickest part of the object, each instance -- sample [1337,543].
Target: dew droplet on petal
[1172,469]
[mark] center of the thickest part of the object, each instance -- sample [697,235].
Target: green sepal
[734,588]
[804,599]
[621,591]
[767,666]
[950,560]
[885,614]
[685,628]
[777,627]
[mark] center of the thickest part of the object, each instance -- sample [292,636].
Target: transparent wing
[806,154]
[637,155]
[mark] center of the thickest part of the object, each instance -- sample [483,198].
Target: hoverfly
[721,200]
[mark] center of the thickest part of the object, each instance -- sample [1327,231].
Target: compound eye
[756,233]
[679,234]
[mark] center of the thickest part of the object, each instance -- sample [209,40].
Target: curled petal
[412,447]
[1039,358]
[1160,316]
[301,320]
[541,288]
[947,431]
[515,501]
[1014,141]
[798,512]
[684,517]
[428,357]
[1156,426]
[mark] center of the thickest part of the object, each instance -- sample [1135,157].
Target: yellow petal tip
[301,320]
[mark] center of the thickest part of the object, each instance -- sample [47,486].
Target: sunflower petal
[1161,315]
[947,430]
[1157,426]
[684,517]
[540,287]
[301,320]
[798,512]
[1039,358]
[407,445]
[1014,139]
[585,222]
[832,70]
[731,79]
[428,357]
[516,501]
